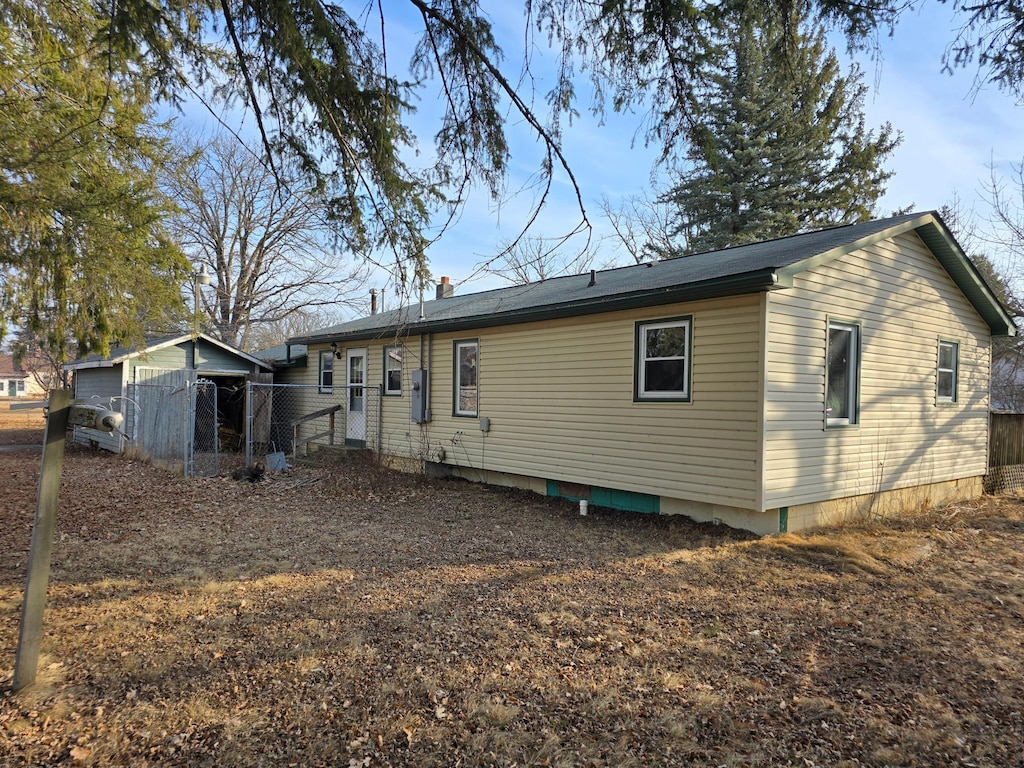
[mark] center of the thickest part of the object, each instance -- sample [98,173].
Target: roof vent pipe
[445,289]
[593,278]
[422,314]
[374,293]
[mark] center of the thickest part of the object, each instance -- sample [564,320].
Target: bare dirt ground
[353,617]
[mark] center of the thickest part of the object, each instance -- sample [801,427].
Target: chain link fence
[183,424]
[295,423]
[175,426]
[206,438]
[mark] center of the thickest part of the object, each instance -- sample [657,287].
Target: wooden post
[30,635]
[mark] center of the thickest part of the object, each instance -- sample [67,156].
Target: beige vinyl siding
[559,395]
[904,303]
[399,436]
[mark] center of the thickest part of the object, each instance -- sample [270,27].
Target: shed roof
[120,354]
[752,268]
[284,355]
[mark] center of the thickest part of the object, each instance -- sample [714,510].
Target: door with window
[355,397]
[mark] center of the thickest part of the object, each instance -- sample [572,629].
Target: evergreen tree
[84,259]
[779,145]
[326,85]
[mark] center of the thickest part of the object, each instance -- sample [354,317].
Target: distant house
[770,386]
[15,381]
[170,364]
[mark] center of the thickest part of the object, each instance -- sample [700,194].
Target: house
[15,381]
[153,386]
[770,386]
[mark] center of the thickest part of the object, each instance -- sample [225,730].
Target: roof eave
[733,285]
[164,344]
[943,245]
[959,267]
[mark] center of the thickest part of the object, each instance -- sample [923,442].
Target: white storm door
[355,396]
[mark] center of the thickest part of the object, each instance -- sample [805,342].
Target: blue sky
[951,130]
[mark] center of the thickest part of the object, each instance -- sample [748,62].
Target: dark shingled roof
[742,269]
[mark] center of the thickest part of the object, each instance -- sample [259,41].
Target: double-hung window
[842,374]
[663,359]
[466,375]
[946,372]
[326,379]
[393,370]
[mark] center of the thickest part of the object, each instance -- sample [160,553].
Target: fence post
[248,423]
[30,634]
[380,422]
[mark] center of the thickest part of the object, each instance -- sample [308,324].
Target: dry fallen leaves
[351,616]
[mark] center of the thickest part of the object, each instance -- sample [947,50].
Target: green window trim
[843,347]
[466,378]
[392,385]
[325,375]
[663,360]
[947,372]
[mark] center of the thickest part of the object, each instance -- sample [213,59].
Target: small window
[663,360]
[466,373]
[326,371]
[946,374]
[393,370]
[842,374]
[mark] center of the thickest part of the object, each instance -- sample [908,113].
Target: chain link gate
[175,425]
[205,444]
[310,423]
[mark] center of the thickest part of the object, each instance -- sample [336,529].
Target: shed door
[355,399]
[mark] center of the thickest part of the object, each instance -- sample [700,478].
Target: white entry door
[355,400]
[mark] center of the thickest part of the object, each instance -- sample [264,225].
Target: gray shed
[166,391]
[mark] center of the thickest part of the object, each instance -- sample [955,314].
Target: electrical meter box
[420,397]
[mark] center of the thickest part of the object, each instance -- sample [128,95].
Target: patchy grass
[20,426]
[354,617]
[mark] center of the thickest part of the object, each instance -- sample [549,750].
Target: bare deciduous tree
[299,323]
[642,227]
[1004,234]
[270,249]
[531,259]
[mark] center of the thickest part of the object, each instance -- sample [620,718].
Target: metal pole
[248,423]
[380,421]
[199,278]
[26,659]
[195,314]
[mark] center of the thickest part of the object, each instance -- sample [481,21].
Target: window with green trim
[946,371]
[326,378]
[466,391]
[842,374]
[663,359]
[393,370]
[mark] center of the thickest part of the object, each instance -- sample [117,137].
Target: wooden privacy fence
[1005,453]
[1006,439]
